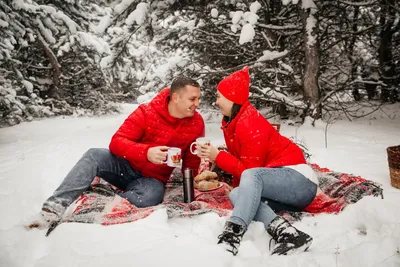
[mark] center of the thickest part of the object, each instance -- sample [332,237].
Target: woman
[269,171]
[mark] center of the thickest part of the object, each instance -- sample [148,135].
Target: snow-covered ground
[35,156]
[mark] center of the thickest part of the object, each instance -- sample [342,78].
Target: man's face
[187,100]
[224,104]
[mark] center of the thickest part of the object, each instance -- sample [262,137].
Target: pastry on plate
[206,180]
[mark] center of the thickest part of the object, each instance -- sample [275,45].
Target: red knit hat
[235,87]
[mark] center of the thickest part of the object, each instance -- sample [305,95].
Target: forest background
[307,57]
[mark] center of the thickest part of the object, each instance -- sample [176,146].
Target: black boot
[288,239]
[231,236]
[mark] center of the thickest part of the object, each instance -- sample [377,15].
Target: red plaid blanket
[101,205]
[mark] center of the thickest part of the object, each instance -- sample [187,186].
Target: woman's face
[224,104]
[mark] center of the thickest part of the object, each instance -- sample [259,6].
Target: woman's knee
[249,178]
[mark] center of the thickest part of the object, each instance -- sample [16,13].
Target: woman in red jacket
[269,171]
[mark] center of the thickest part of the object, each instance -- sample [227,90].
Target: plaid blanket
[101,205]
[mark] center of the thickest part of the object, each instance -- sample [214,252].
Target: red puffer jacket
[253,142]
[151,125]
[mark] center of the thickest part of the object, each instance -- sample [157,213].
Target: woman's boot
[288,239]
[231,236]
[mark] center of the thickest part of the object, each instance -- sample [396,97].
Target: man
[134,161]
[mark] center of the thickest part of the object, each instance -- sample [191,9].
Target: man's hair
[180,82]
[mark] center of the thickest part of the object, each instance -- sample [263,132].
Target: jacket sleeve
[189,160]
[252,154]
[125,143]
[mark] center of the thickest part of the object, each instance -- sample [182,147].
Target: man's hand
[157,154]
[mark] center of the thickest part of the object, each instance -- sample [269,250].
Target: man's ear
[174,98]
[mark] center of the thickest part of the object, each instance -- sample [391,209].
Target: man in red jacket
[134,161]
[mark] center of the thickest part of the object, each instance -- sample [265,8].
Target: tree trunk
[310,79]
[386,65]
[56,67]
[353,61]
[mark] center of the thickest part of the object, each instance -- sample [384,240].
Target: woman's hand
[208,151]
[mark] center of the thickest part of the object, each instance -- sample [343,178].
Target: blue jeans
[140,191]
[264,191]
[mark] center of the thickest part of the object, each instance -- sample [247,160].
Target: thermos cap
[187,173]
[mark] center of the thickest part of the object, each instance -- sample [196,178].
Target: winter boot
[288,239]
[43,219]
[231,236]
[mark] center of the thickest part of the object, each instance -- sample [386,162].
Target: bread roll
[205,175]
[206,185]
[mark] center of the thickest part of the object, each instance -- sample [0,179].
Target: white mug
[173,157]
[200,140]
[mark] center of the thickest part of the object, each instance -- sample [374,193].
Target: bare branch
[364,3]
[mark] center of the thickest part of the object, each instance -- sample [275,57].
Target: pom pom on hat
[235,87]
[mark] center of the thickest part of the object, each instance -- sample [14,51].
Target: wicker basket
[394,165]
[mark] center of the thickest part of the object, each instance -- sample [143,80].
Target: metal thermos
[188,188]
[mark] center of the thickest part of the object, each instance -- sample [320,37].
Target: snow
[103,24]
[255,6]
[145,97]
[121,7]
[138,15]
[286,66]
[271,55]
[236,16]
[162,70]
[67,20]
[97,43]
[47,34]
[35,156]
[234,28]
[8,44]
[214,13]
[277,96]
[311,21]
[308,4]
[3,23]
[20,4]
[247,34]
[28,85]
[294,2]
[250,17]
[310,25]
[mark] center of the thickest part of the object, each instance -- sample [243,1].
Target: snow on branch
[92,41]
[123,6]
[308,4]
[278,27]
[279,97]
[138,15]
[69,22]
[272,55]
